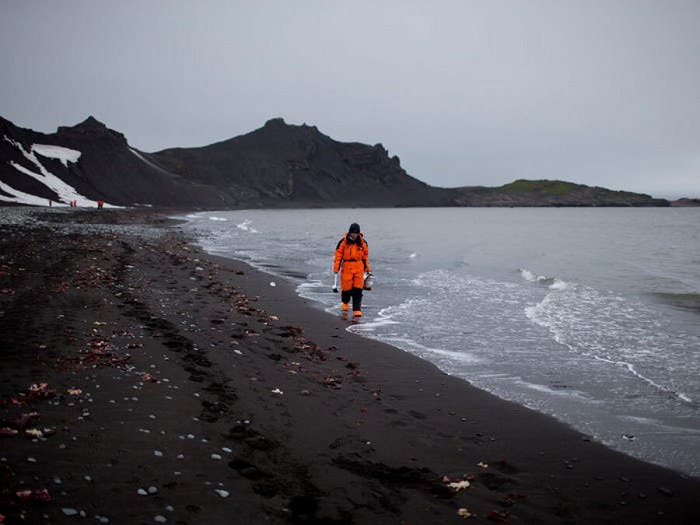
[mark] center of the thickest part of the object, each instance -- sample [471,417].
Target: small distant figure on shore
[352,261]
[100,204]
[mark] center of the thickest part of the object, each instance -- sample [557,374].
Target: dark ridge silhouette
[277,166]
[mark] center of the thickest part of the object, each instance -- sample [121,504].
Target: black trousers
[355,294]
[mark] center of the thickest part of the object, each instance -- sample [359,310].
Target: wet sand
[143,381]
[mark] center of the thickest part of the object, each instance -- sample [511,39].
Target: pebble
[666,492]
[222,493]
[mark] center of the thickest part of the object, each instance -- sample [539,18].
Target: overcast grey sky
[465,92]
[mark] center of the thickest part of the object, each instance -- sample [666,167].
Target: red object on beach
[40,391]
[20,422]
[499,517]
[41,495]
[148,378]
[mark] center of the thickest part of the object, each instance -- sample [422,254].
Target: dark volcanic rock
[686,202]
[285,165]
[278,165]
[108,168]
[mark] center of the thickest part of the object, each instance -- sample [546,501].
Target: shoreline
[609,377]
[292,418]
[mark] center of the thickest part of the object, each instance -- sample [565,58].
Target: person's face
[352,236]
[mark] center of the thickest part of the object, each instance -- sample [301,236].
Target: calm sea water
[589,315]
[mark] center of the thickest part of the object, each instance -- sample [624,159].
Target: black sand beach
[143,381]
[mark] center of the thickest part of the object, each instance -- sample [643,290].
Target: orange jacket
[348,251]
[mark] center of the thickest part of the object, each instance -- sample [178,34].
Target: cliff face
[283,165]
[106,168]
[278,165]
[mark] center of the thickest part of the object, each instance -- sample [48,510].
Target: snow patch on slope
[66,193]
[20,197]
[151,164]
[65,155]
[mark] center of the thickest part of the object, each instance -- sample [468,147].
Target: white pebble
[222,493]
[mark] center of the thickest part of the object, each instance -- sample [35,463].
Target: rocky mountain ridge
[276,166]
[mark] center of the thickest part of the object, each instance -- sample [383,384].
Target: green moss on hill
[541,187]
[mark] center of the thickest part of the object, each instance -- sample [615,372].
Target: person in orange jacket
[351,260]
